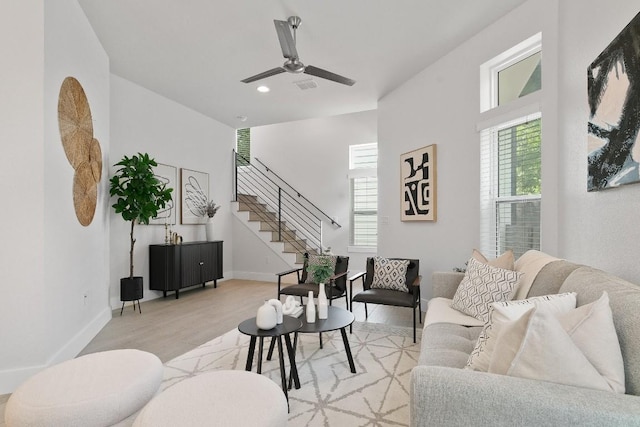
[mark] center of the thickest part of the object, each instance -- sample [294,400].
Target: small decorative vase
[277,305]
[266,318]
[323,306]
[208,226]
[311,309]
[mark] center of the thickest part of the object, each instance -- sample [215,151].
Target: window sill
[363,249]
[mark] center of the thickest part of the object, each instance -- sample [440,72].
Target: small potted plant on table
[321,273]
[210,210]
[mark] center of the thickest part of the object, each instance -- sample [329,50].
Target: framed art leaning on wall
[418,184]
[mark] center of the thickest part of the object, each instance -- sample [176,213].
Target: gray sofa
[444,394]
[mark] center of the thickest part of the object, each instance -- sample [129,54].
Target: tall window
[243,144]
[510,185]
[363,164]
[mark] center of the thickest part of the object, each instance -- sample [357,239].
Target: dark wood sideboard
[175,267]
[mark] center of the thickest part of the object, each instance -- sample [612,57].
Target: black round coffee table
[338,318]
[288,325]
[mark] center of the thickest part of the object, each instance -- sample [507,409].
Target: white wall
[441,106]
[22,217]
[313,156]
[143,121]
[598,228]
[49,261]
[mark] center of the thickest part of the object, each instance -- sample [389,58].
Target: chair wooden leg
[346,300]
[301,302]
[366,311]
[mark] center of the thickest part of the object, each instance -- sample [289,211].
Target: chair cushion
[302,290]
[386,297]
[390,274]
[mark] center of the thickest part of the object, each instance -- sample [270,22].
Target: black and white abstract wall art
[614,112]
[418,184]
[195,194]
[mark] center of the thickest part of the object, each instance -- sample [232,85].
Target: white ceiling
[196,52]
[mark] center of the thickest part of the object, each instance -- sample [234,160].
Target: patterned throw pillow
[482,285]
[390,274]
[315,260]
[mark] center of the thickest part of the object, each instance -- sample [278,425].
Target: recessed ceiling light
[242,118]
[263,89]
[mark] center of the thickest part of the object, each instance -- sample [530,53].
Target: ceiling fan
[293,63]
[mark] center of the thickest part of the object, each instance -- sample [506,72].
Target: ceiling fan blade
[324,74]
[287,43]
[264,75]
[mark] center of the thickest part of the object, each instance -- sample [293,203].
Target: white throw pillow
[578,348]
[390,274]
[483,284]
[508,311]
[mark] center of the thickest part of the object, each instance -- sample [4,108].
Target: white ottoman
[220,398]
[99,389]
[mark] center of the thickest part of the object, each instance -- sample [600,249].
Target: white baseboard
[10,379]
[249,275]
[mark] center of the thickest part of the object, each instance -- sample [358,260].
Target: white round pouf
[219,398]
[99,389]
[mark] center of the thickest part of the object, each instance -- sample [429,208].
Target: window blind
[364,196]
[510,192]
[363,163]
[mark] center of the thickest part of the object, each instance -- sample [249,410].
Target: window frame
[489,70]
[493,118]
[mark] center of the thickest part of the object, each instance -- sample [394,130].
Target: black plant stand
[131,290]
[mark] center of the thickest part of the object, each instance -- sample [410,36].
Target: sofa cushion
[439,311]
[501,313]
[624,299]
[551,277]
[578,348]
[483,284]
[447,344]
[530,264]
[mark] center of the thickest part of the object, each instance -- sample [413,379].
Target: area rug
[330,395]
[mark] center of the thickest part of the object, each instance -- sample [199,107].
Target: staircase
[277,213]
[279,233]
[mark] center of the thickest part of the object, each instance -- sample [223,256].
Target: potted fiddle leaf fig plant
[139,195]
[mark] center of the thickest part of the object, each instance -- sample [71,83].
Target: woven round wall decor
[81,148]
[85,193]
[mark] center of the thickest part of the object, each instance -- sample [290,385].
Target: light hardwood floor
[168,327]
